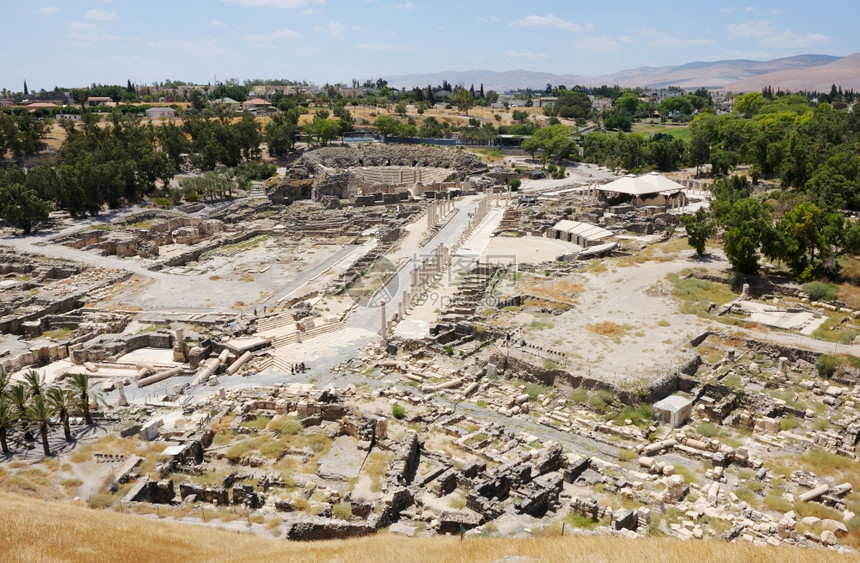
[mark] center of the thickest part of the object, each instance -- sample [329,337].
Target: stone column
[120,387]
[384,322]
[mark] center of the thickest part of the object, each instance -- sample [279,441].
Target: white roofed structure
[646,184]
[577,232]
[650,189]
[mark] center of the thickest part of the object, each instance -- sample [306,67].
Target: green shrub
[580,521]
[397,411]
[514,184]
[827,365]
[789,423]
[820,291]
[578,396]
[707,429]
[342,511]
[599,400]
[745,495]
[643,414]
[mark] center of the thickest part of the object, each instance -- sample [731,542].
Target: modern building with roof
[650,189]
[225,101]
[40,105]
[577,232]
[256,103]
[154,113]
[99,101]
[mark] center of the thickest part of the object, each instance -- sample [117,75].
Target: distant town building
[155,113]
[99,101]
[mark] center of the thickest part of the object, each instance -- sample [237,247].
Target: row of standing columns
[430,267]
[438,210]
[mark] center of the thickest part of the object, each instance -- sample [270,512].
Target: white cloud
[406,6]
[306,50]
[217,23]
[47,11]
[665,41]
[101,15]
[80,31]
[333,28]
[552,21]
[525,55]
[360,28]
[767,35]
[599,44]
[196,47]
[283,4]
[492,19]
[277,34]
[384,47]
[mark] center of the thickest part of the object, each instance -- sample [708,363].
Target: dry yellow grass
[39,531]
[607,328]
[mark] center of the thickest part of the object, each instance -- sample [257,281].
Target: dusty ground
[625,324]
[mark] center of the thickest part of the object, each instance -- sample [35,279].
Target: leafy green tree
[750,104]
[430,128]
[665,151]
[282,131]
[748,227]
[799,237]
[700,227]
[22,207]
[572,104]
[463,99]
[554,142]
[386,125]
[618,120]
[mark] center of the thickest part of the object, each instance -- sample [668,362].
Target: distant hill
[804,72]
[844,72]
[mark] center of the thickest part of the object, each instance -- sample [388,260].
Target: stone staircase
[297,337]
[283,362]
[257,191]
[277,321]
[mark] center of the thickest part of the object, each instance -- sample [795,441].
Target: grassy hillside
[34,530]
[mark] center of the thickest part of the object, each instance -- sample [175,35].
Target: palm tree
[18,396]
[61,401]
[34,381]
[5,376]
[7,419]
[80,385]
[40,412]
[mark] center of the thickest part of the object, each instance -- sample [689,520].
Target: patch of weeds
[707,429]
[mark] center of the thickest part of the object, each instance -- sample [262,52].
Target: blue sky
[78,42]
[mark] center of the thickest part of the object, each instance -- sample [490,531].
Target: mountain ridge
[804,72]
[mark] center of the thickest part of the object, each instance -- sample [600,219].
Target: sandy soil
[647,334]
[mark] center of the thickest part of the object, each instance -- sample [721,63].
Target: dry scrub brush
[33,530]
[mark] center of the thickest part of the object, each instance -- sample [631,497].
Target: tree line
[123,159]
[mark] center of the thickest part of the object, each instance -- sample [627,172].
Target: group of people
[298,368]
